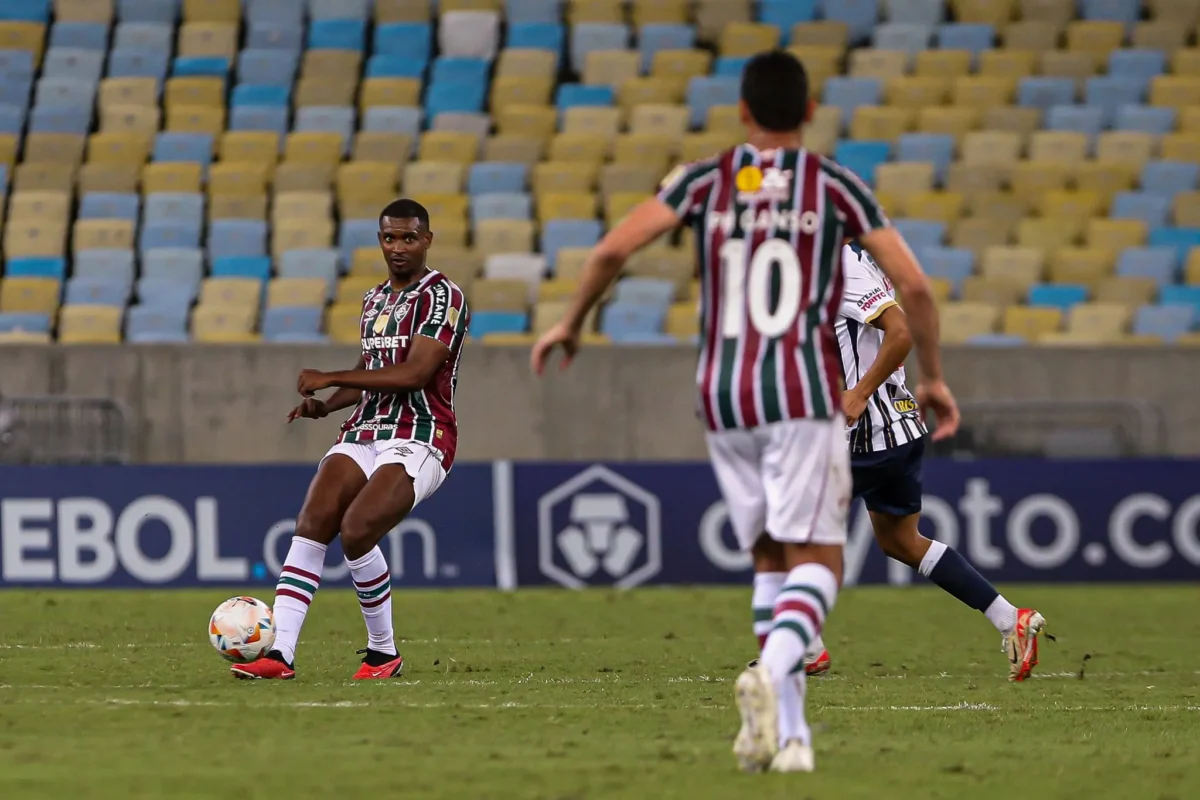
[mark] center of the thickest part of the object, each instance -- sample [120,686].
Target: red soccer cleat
[1021,646]
[819,665]
[269,667]
[376,666]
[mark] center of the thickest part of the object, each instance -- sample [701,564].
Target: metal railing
[63,430]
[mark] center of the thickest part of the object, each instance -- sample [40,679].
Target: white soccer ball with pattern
[242,629]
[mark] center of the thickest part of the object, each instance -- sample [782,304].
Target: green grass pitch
[557,695]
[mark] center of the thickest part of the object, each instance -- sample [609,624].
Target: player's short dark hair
[775,90]
[405,208]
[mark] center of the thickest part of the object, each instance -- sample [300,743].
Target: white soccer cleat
[794,757]
[758,740]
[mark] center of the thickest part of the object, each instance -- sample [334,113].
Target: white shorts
[790,480]
[419,460]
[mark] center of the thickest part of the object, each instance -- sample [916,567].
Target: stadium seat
[484,323]
[36,267]
[1146,119]
[862,158]
[96,291]
[79,35]
[947,263]
[1043,93]
[1159,263]
[109,205]
[501,206]
[115,265]
[1167,322]
[1148,208]
[257,267]
[936,149]
[1182,295]
[1181,239]
[1055,295]
[1168,178]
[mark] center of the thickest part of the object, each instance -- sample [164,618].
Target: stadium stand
[176,169]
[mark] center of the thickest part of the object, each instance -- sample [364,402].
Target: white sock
[1002,614]
[932,556]
[792,724]
[373,583]
[298,582]
[762,602]
[815,647]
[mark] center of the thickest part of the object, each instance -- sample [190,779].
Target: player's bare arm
[424,359]
[316,408]
[897,261]
[640,227]
[897,342]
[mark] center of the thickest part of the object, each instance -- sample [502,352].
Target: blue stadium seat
[654,38]
[1126,11]
[356,233]
[242,266]
[862,157]
[850,93]
[96,292]
[639,339]
[908,37]
[571,95]
[393,119]
[1167,178]
[536,36]
[622,321]
[285,12]
[860,16]
[259,118]
[184,208]
[3,177]
[14,89]
[485,322]
[171,235]
[158,323]
[948,263]
[337,34]
[327,119]
[110,264]
[442,98]
[161,11]
[1158,120]
[1057,295]
[60,119]
[1167,322]
[275,36]
[79,35]
[996,340]
[78,94]
[524,12]
[339,9]
[457,69]
[560,233]
[12,118]
[1080,119]
[921,233]
[260,94]
[180,264]
[174,146]
[589,36]
[1182,239]
[1159,263]
[644,291]
[730,67]
[173,293]
[134,63]
[311,263]
[1044,92]
[966,36]
[1181,295]
[237,237]
[487,177]
[110,205]
[918,12]
[25,10]
[705,92]
[145,36]
[501,205]
[269,67]
[386,66]
[936,148]
[292,325]
[16,62]
[1138,64]
[74,63]
[409,39]
[786,14]
[11,322]
[1111,93]
[1151,209]
[36,267]
[200,66]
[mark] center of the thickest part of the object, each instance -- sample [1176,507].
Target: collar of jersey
[426,279]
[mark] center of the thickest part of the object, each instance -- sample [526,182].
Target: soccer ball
[242,629]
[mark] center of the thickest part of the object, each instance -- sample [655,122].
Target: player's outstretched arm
[315,408]
[897,261]
[641,226]
[897,343]
[425,357]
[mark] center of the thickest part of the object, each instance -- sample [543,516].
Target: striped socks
[806,598]
[298,582]
[762,602]
[373,583]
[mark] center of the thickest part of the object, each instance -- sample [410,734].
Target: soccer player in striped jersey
[770,218]
[394,450]
[887,443]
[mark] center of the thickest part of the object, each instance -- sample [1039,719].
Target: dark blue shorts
[890,480]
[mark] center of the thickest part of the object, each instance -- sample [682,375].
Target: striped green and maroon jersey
[769,229]
[435,307]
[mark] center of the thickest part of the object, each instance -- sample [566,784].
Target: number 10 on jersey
[747,287]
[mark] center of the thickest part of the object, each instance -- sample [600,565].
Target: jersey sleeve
[855,202]
[686,188]
[864,297]
[445,316]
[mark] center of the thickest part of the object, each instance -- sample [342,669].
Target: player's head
[404,236]
[775,93]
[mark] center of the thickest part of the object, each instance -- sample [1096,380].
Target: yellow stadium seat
[522,92]
[547,314]
[445,208]
[1024,265]
[196,119]
[963,321]
[1175,91]
[238,178]
[617,205]
[128,92]
[556,289]
[941,289]
[510,339]
[382,146]
[581,147]
[904,178]
[8,149]
[1011,64]
[211,10]
[697,146]
[1074,206]
[343,318]
[1185,209]
[564,176]
[433,177]
[1032,35]
[294,292]
[525,63]
[331,64]
[181,176]
[498,294]
[1096,37]
[565,205]
[1126,291]
[948,120]
[944,207]
[821,33]
[86,324]
[914,92]
[103,234]
[218,39]
[998,292]
[199,91]
[714,16]
[610,67]
[683,321]
[744,39]
[1191,268]
[367,264]
[130,119]
[942,63]
[1131,148]
[659,12]
[979,91]
[61,148]
[881,123]
[109,178]
[821,61]
[1106,178]
[594,11]
[1075,64]
[1031,323]
[989,12]
[879,64]
[301,176]
[1000,206]
[29,295]
[313,147]
[634,92]
[84,10]
[593,121]
[821,135]
[504,236]
[570,262]
[367,178]
[1116,234]
[43,177]
[723,119]
[991,147]
[323,91]
[297,206]
[667,263]
[23,36]
[1098,322]
[537,122]
[300,235]
[519,149]
[1083,265]
[19,336]
[219,324]
[660,120]
[978,234]
[1048,234]
[237,206]
[460,265]
[48,205]
[1186,61]
[1014,119]
[973,179]
[626,178]
[1180,147]
[1158,34]
[448,146]
[389,92]
[260,147]
[1032,180]
[680,65]
[654,151]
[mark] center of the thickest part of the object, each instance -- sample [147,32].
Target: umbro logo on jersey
[772,183]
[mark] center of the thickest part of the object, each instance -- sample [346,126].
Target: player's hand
[936,396]
[310,381]
[853,404]
[560,335]
[311,408]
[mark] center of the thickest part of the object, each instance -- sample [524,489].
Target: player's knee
[318,525]
[900,542]
[356,537]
